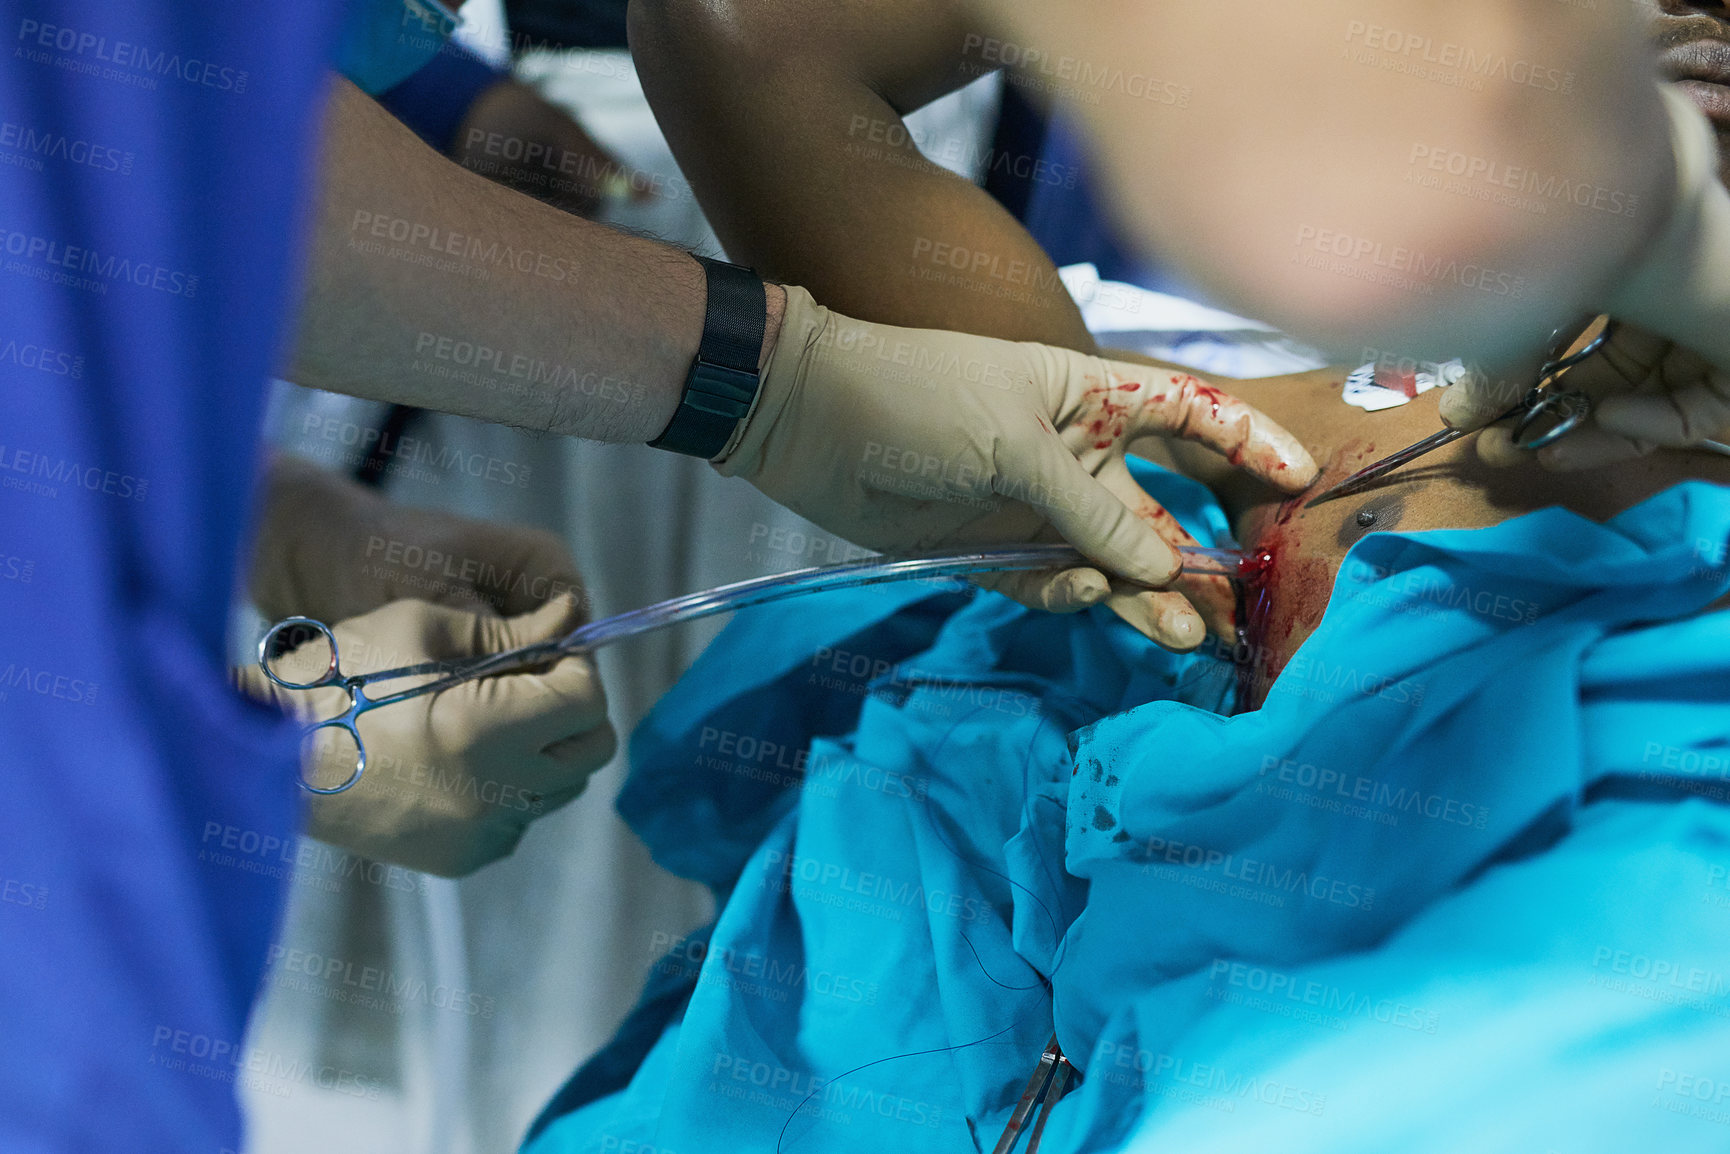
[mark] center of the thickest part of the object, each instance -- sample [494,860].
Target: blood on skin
[1284,595]
[1284,585]
[1105,415]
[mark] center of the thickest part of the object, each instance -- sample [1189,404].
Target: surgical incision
[1287,574]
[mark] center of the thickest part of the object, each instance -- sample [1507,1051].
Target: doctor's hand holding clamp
[278,641]
[1567,408]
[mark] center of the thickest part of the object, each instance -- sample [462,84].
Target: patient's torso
[1297,551]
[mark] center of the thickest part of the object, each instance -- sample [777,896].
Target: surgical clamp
[1569,407]
[1050,1081]
[589,637]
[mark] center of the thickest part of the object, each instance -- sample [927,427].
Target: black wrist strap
[723,380]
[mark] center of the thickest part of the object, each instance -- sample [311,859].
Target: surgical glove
[329,548]
[1647,393]
[1680,288]
[1676,298]
[903,439]
[455,777]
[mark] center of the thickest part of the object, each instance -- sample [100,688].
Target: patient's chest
[1293,555]
[1283,594]
[1296,553]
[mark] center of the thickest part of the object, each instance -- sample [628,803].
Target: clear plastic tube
[871,571]
[726,598]
[779,587]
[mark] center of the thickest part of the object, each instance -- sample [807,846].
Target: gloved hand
[1647,393]
[453,778]
[1680,287]
[331,549]
[1662,380]
[902,439]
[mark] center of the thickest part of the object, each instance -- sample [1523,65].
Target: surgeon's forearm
[1368,169]
[431,286]
[786,116]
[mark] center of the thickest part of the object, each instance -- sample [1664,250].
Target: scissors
[283,637]
[1567,407]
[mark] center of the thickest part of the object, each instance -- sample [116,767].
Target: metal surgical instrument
[1568,407]
[1049,1082]
[586,638]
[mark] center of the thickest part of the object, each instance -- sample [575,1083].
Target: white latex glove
[1647,393]
[902,439]
[1665,378]
[453,778]
[1681,286]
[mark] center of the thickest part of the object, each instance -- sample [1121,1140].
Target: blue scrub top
[155,161]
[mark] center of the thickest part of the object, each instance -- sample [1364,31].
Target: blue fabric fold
[1424,732]
[1433,875]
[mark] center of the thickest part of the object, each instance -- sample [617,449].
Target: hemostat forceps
[586,638]
[1049,1082]
[1568,408]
